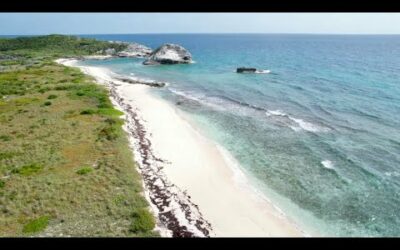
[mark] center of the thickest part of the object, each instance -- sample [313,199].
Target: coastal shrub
[109,112]
[44,90]
[7,155]
[57,45]
[5,137]
[95,92]
[114,121]
[119,200]
[52,97]
[69,87]
[84,170]
[36,225]
[78,80]
[28,169]
[143,221]
[88,112]
[25,101]
[104,102]
[48,103]
[109,132]
[70,113]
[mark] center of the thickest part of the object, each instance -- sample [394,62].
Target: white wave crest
[264,71]
[305,125]
[298,125]
[275,112]
[327,164]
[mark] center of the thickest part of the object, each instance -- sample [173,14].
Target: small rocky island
[169,54]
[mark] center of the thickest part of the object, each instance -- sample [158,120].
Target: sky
[130,23]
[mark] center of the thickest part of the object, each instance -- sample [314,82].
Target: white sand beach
[197,165]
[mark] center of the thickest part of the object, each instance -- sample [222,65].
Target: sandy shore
[194,184]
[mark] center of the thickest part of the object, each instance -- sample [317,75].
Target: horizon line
[203,33]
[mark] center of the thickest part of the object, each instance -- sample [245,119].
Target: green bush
[109,132]
[48,103]
[114,121]
[5,138]
[36,225]
[88,112]
[25,101]
[95,92]
[110,112]
[52,97]
[28,169]
[64,87]
[43,90]
[143,221]
[84,170]
[7,155]
[2,183]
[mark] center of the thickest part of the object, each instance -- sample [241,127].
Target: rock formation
[169,54]
[246,70]
[135,50]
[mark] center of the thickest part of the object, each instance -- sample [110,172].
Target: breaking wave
[327,164]
[223,103]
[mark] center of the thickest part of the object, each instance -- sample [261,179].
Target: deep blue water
[320,134]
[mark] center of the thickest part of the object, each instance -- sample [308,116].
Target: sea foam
[264,71]
[300,124]
[305,125]
[275,112]
[327,164]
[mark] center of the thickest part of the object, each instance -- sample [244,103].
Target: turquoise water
[319,134]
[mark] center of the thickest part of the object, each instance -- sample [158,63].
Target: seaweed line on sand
[176,212]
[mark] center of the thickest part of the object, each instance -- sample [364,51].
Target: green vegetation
[46,187]
[88,112]
[52,97]
[53,45]
[36,225]
[5,138]
[84,170]
[110,112]
[143,221]
[28,169]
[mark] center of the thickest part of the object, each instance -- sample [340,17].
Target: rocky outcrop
[109,52]
[136,81]
[169,54]
[129,50]
[135,50]
[246,70]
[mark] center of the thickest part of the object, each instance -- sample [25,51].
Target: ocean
[319,135]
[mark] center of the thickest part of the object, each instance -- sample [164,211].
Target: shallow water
[319,133]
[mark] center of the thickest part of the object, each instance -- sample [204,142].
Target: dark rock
[246,70]
[148,83]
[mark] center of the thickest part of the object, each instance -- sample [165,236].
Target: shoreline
[193,185]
